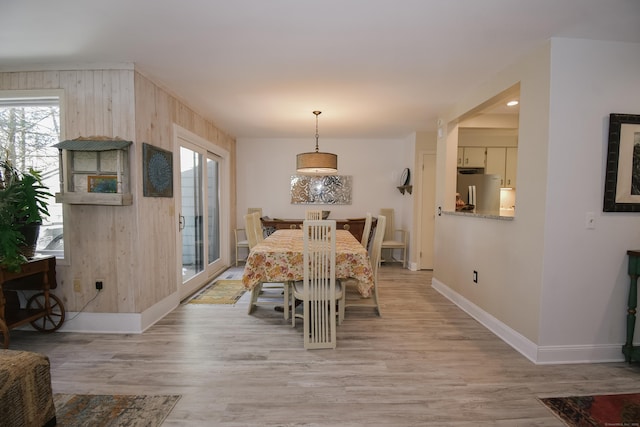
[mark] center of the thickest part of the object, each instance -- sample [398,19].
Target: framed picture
[102,184]
[622,177]
[321,190]
[157,171]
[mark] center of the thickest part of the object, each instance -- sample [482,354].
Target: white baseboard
[540,355]
[119,323]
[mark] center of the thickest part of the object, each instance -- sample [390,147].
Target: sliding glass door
[202,244]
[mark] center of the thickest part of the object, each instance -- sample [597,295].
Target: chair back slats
[389,229]
[250,230]
[376,248]
[319,326]
[257,225]
[314,215]
[367,230]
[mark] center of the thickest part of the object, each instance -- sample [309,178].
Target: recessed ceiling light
[512,103]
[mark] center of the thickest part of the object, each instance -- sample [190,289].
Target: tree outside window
[28,129]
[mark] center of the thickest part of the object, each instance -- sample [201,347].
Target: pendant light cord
[317,113]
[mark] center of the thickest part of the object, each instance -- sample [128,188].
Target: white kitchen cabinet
[511,166]
[472,157]
[496,163]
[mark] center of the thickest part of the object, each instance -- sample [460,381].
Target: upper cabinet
[503,161]
[496,158]
[471,157]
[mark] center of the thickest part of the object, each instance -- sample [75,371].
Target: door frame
[422,264]
[194,141]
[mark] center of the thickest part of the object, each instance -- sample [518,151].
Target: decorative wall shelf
[405,178]
[407,188]
[94,171]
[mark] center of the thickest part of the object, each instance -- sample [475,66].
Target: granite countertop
[505,214]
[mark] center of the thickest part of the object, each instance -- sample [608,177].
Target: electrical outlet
[99,285]
[77,285]
[475,276]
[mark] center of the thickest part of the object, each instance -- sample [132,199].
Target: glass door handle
[180,222]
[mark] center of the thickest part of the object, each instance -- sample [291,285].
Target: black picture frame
[622,176]
[157,171]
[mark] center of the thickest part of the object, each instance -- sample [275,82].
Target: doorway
[203,206]
[428,210]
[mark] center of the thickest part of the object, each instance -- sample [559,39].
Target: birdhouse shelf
[94,171]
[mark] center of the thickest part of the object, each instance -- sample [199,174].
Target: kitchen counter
[507,216]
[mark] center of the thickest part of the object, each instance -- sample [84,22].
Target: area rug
[112,410]
[220,292]
[605,410]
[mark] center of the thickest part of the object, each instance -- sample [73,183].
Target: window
[29,126]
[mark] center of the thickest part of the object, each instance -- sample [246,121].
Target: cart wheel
[4,330]
[50,321]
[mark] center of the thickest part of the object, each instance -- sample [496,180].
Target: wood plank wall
[132,249]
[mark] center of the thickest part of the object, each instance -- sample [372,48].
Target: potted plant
[23,205]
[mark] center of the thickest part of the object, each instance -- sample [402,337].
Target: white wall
[553,289]
[506,254]
[265,167]
[585,280]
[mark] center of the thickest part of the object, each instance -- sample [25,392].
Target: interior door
[202,244]
[428,209]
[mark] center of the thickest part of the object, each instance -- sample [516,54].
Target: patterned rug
[220,292]
[606,410]
[112,410]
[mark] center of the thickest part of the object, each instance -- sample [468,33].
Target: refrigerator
[487,192]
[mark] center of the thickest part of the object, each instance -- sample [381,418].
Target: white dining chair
[250,230]
[366,232]
[375,255]
[264,294]
[257,225]
[242,242]
[319,290]
[394,238]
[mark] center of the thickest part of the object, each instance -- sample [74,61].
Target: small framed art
[157,167]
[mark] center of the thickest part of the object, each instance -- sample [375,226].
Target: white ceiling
[258,68]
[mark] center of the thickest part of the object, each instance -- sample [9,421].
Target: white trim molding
[120,323]
[540,355]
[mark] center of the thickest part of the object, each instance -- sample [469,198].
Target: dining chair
[319,290]
[313,215]
[269,294]
[252,210]
[257,224]
[394,238]
[366,232]
[242,242]
[374,257]
[250,230]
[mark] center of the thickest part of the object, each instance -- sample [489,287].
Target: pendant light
[316,162]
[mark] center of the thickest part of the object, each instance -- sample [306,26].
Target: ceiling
[258,68]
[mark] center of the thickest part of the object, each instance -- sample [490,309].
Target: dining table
[279,258]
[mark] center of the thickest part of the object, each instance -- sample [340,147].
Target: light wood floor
[424,363]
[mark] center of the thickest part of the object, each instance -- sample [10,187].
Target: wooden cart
[43,310]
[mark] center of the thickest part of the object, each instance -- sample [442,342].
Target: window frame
[32,96]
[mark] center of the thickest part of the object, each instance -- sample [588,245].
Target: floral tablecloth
[279,259]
